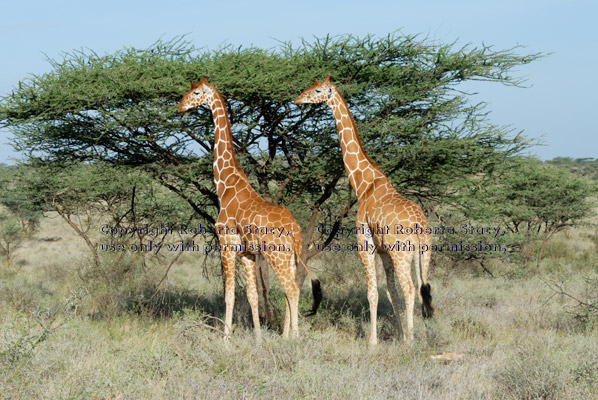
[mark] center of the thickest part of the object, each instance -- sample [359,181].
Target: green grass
[68,332]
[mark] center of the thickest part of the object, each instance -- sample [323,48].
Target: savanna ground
[69,332]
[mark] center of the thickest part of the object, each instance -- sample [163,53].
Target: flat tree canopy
[403,90]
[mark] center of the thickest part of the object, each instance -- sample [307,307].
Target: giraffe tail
[316,289]
[425,290]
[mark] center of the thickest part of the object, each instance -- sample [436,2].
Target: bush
[534,373]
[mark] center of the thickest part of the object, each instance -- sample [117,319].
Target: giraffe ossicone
[242,206]
[379,204]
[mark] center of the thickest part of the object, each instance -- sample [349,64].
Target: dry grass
[517,340]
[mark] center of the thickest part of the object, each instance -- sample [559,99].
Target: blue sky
[558,104]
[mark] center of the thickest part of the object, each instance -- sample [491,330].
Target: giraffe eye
[197,93]
[318,91]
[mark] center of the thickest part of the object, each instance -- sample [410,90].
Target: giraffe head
[200,93]
[320,92]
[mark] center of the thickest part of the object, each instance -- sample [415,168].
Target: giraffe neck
[361,170]
[225,159]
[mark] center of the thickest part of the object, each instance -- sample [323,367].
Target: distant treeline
[587,167]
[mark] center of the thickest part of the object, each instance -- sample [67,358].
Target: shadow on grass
[344,310]
[167,303]
[170,303]
[348,311]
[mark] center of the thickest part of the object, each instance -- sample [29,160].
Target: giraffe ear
[204,79]
[317,82]
[327,79]
[194,84]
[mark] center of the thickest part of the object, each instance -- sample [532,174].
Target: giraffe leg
[367,258]
[248,263]
[291,290]
[284,267]
[287,318]
[228,266]
[402,264]
[293,296]
[291,314]
[391,291]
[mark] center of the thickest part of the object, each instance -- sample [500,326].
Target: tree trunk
[266,310]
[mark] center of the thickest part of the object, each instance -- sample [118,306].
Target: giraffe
[386,222]
[247,224]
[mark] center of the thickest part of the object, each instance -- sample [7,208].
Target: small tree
[119,213]
[11,235]
[15,196]
[530,199]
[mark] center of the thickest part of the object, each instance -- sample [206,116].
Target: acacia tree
[11,235]
[403,90]
[530,201]
[19,202]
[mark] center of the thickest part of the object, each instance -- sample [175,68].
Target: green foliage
[11,235]
[16,198]
[415,123]
[121,196]
[587,167]
[530,200]
[527,196]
